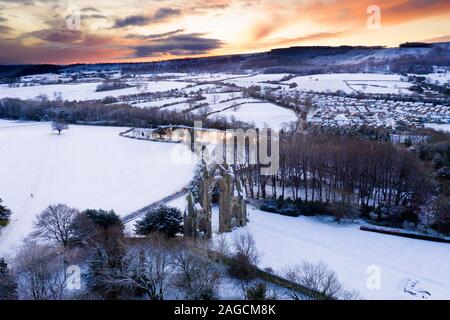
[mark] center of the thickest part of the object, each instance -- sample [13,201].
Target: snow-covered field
[84,91]
[216,107]
[352,82]
[284,241]
[261,114]
[346,82]
[439,78]
[438,127]
[85,167]
[221,104]
[371,83]
[206,77]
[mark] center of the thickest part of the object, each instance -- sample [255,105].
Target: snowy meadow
[84,167]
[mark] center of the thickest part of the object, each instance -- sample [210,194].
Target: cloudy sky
[87,31]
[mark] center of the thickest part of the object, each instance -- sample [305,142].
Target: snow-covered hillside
[85,167]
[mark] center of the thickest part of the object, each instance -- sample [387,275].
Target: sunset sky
[46,31]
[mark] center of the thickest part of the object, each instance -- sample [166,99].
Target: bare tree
[245,244]
[196,274]
[56,224]
[344,174]
[215,99]
[146,266]
[59,125]
[222,245]
[245,257]
[442,214]
[41,272]
[317,277]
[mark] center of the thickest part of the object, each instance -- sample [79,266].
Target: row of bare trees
[100,113]
[329,169]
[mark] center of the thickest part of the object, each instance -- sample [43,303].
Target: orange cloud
[341,12]
[338,17]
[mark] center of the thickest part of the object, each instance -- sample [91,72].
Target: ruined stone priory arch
[232,205]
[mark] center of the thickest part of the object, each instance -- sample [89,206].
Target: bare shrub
[222,245]
[146,266]
[344,210]
[442,215]
[41,273]
[59,125]
[317,277]
[244,243]
[197,275]
[245,258]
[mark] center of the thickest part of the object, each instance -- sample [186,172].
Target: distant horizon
[225,55]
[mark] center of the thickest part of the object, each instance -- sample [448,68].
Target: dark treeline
[363,132]
[109,85]
[326,169]
[307,60]
[423,135]
[99,113]
[368,170]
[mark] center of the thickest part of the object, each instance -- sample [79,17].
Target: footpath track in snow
[137,214]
